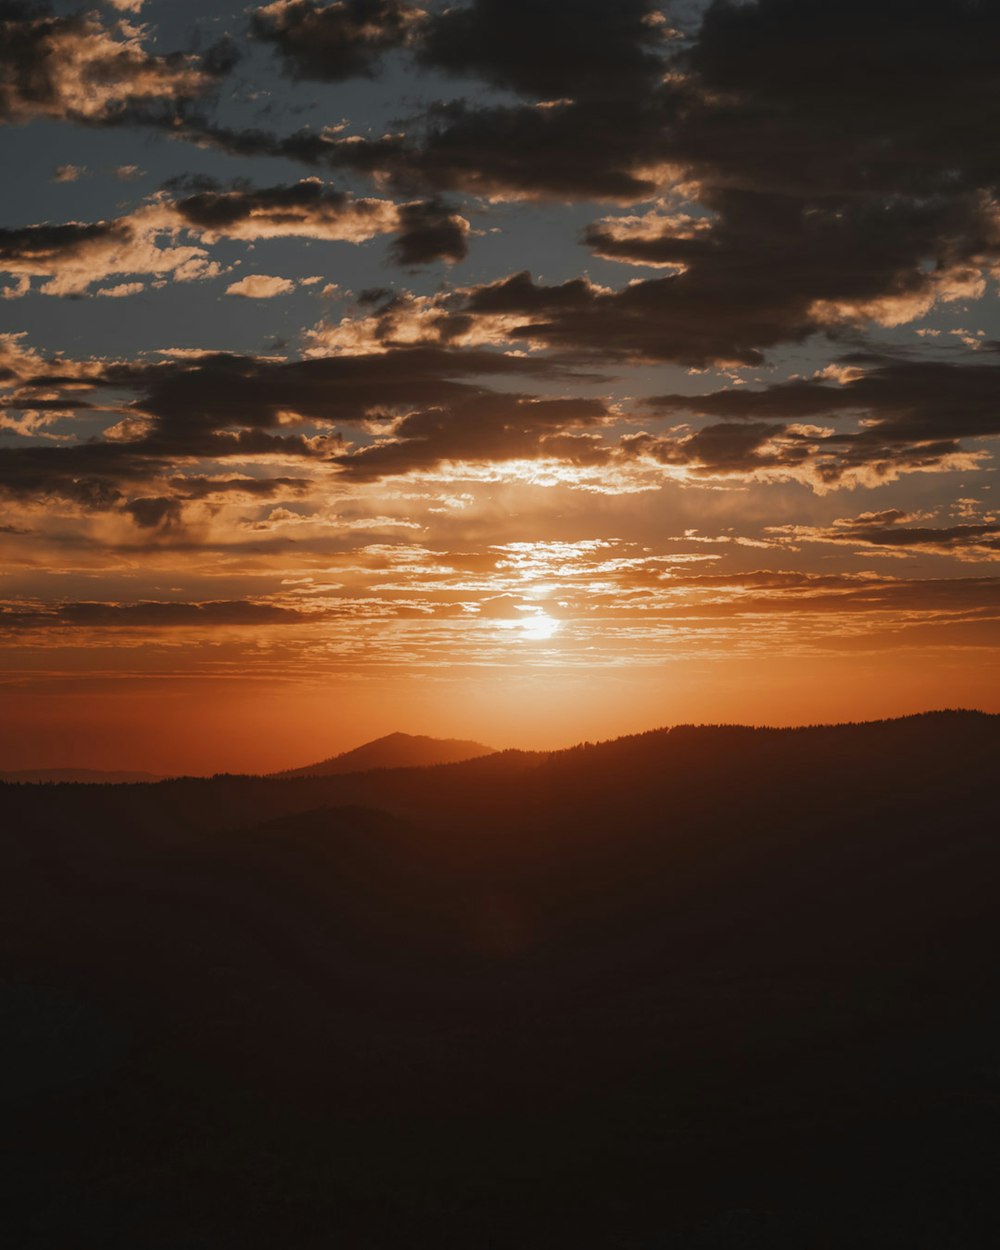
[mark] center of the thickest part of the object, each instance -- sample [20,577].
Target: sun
[539,628]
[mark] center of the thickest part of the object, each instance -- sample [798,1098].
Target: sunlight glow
[539,628]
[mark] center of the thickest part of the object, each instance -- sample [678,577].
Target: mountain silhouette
[705,988]
[85,776]
[395,750]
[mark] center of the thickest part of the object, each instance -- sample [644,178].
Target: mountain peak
[394,750]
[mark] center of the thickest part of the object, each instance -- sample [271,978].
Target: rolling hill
[708,987]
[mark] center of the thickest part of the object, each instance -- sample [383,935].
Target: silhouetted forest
[711,987]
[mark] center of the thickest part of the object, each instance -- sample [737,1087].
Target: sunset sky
[524,370]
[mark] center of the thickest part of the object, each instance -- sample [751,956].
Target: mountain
[711,987]
[396,750]
[79,776]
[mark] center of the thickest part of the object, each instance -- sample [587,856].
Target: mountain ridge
[394,750]
[78,776]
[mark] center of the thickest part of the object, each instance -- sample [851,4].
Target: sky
[526,371]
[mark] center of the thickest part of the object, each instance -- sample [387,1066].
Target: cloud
[584,149]
[540,48]
[332,42]
[151,615]
[255,392]
[308,209]
[156,512]
[893,211]
[657,320]
[261,286]
[122,290]
[533,47]
[791,209]
[760,273]
[909,416]
[220,407]
[901,400]
[818,458]
[429,231]
[891,532]
[79,68]
[69,173]
[482,428]
[602,140]
[425,409]
[166,236]
[73,256]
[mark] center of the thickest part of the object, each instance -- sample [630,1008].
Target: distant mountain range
[85,776]
[397,750]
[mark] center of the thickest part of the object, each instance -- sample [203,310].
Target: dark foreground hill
[397,750]
[710,987]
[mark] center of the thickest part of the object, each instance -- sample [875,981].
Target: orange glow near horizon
[180,724]
[601,403]
[528,644]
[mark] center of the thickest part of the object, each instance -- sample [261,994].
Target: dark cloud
[903,401]
[211,208]
[308,208]
[764,271]
[816,207]
[894,531]
[213,392]
[660,319]
[482,428]
[546,49]
[90,475]
[225,407]
[587,149]
[774,113]
[720,449]
[776,268]
[760,451]
[56,242]
[429,231]
[428,406]
[906,416]
[151,615]
[944,538]
[309,147]
[819,206]
[155,512]
[592,128]
[251,488]
[221,58]
[332,42]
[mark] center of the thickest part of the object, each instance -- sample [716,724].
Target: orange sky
[442,372]
[178,724]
